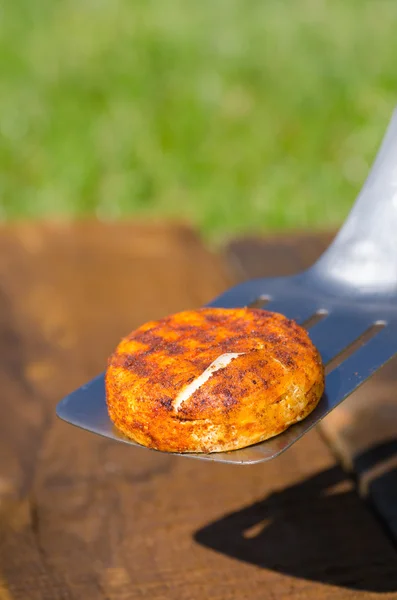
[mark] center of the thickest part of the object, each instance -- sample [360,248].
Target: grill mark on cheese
[219,363]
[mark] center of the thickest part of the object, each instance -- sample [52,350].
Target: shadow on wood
[376,473]
[285,532]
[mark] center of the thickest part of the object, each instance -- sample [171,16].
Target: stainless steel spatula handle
[363,256]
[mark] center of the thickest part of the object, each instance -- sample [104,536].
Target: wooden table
[82,517]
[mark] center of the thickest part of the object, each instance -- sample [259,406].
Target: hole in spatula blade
[318,316]
[259,302]
[351,348]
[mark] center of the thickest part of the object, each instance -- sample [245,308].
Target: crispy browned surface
[276,381]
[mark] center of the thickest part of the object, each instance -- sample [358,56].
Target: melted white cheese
[219,363]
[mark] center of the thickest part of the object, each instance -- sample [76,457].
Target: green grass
[234,114]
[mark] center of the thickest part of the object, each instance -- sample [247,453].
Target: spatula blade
[86,407]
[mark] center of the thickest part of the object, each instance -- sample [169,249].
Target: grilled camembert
[213,379]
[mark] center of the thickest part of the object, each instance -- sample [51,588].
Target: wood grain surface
[82,517]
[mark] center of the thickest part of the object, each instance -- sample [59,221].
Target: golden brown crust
[273,378]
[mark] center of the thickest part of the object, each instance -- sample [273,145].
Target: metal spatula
[348,300]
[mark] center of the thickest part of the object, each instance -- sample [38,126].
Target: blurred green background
[233,114]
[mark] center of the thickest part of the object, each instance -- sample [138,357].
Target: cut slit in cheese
[219,363]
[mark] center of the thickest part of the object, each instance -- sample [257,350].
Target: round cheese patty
[213,379]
